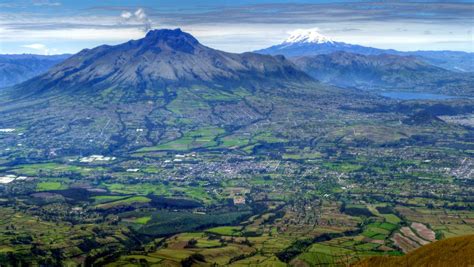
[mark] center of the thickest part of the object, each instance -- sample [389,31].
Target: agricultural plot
[201,138]
[226,230]
[136,200]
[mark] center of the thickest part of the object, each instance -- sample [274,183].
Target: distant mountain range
[18,68]
[310,42]
[166,57]
[385,72]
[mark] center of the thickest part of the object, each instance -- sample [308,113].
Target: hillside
[15,69]
[456,251]
[384,72]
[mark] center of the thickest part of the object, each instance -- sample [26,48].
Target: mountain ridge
[452,60]
[384,72]
[17,68]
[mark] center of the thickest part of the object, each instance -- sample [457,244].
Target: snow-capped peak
[307,36]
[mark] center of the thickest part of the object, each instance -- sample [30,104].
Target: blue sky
[62,26]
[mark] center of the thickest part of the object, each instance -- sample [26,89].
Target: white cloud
[126,15]
[72,33]
[138,17]
[41,48]
[140,14]
[35,46]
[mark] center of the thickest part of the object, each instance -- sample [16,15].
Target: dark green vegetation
[253,173]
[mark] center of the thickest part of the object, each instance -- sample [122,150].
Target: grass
[388,226]
[222,255]
[142,189]
[325,255]
[367,246]
[48,186]
[378,231]
[259,260]
[300,156]
[342,167]
[198,193]
[48,168]
[52,235]
[321,248]
[124,202]
[142,220]
[233,141]
[6,249]
[267,137]
[226,230]
[457,251]
[203,137]
[172,254]
[203,243]
[105,199]
[317,258]
[391,218]
[129,260]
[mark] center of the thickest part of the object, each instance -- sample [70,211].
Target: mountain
[455,251]
[451,60]
[15,69]
[310,42]
[385,72]
[154,90]
[161,59]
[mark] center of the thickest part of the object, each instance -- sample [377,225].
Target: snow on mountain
[307,36]
[309,42]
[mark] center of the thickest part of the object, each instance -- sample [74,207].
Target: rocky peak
[170,39]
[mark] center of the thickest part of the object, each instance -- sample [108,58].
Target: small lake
[416,96]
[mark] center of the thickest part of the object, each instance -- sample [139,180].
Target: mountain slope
[384,71]
[451,60]
[18,68]
[300,43]
[161,59]
[152,91]
[456,251]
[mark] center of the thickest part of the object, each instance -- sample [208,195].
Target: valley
[259,165]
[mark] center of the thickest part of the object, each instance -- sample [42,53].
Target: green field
[124,202]
[226,230]
[46,186]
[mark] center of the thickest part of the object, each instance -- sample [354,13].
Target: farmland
[231,180]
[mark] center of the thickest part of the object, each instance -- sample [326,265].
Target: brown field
[409,233]
[456,251]
[424,231]
[404,243]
